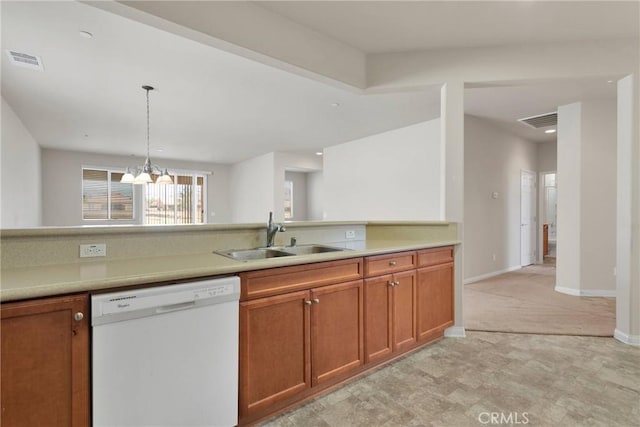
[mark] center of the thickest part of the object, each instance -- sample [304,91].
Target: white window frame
[194,199]
[109,171]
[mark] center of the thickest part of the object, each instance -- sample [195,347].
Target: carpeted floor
[525,301]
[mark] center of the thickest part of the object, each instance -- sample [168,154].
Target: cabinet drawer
[383,264]
[435,256]
[274,281]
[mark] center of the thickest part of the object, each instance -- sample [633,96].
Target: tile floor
[490,379]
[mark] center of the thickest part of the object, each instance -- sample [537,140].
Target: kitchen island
[391,292]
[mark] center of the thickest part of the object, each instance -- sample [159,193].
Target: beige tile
[555,380]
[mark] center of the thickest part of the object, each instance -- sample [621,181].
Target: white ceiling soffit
[402,26]
[541,121]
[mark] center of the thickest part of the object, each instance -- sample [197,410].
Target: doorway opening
[549,214]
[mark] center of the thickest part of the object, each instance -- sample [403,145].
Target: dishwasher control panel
[144,302]
[214,292]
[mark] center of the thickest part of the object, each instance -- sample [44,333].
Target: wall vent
[541,121]
[25,60]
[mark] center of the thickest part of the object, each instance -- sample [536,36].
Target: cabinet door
[434,299]
[336,330]
[45,362]
[377,309]
[274,350]
[404,310]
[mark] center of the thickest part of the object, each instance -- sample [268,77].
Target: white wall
[257,184]
[547,156]
[62,184]
[299,180]
[290,162]
[20,175]
[598,204]
[393,175]
[493,161]
[315,193]
[252,189]
[587,198]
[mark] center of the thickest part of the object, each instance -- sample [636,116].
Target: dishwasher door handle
[175,307]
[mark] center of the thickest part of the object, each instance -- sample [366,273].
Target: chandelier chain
[148,126]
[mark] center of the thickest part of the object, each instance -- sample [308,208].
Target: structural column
[628,213]
[452,202]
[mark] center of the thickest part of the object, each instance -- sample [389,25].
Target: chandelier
[143,174]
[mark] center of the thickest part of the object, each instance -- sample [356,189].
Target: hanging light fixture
[143,175]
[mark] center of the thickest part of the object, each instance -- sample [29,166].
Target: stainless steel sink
[279,251]
[310,249]
[253,254]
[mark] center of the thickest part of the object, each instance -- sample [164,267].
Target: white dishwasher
[167,355]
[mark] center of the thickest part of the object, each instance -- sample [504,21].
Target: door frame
[534,210]
[541,206]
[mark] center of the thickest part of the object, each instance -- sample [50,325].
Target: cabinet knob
[307,302]
[316,301]
[78,316]
[392,263]
[392,283]
[396,283]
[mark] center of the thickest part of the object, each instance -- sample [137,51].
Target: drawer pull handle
[307,302]
[316,301]
[392,263]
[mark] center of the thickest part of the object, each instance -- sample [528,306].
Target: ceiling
[400,26]
[211,105]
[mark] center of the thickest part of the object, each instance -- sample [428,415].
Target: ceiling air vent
[25,60]
[541,121]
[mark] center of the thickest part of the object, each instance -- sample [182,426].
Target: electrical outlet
[350,234]
[88,251]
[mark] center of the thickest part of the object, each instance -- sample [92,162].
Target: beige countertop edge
[410,223]
[51,280]
[133,229]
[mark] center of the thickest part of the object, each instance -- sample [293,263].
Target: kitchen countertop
[58,279]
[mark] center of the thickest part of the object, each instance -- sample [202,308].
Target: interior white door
[527,217]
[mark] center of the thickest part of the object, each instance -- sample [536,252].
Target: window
[288,199]
[179,203]
[104,197]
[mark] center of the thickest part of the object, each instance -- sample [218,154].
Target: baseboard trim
[608,293]
[489,275]
[455,332]
[626,338]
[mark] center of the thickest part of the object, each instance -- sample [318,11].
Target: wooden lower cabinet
[45,362]
[390,314]
[275,352]
[404,310]
[378,326]
[293,341]
[337,341]
[434,300]
[301,333]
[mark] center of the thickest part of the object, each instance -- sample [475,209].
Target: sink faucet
[272,229]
